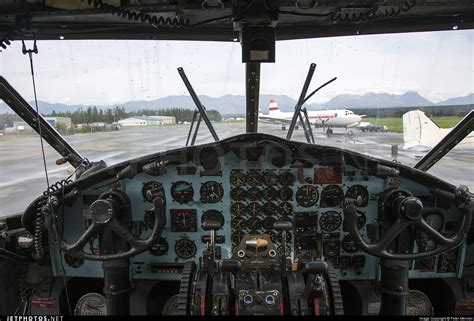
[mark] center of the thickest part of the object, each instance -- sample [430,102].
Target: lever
[283,226]
[231,266]
[256,243]
[316,267]
[212,226]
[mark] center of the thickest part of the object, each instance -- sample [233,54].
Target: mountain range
[234,104]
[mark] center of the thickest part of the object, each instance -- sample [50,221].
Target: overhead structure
[201,20]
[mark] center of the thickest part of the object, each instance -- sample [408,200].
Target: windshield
[395,96]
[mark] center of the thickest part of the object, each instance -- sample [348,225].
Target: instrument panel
[247,197]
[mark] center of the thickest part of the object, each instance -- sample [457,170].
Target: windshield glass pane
[116,100]
[22,175]
[453,164]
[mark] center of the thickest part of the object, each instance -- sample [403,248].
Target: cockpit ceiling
[77,19]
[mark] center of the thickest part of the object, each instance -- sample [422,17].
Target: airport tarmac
[22,176]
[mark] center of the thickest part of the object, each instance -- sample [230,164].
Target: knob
[316,267]
[282,225]
[270,299]
[102,211]
[411,208]
[248,299]
[209,225]
[230,266]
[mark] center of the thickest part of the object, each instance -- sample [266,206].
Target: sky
[438,65]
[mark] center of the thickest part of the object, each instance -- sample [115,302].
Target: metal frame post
[252,91]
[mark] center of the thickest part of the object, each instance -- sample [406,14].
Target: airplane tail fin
[418,129]
[273,107]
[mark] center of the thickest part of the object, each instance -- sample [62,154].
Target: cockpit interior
[252,224]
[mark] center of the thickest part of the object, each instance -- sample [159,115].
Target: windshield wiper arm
[297,113]
[454,137]
[303,118]
[202,114]
[21,107]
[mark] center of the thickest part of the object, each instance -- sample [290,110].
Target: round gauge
[288,236]
[237,236]
[285,208]
[287,250]
[151,188]
[331,248]
[273,236]
[307,196]
[171,306]
[332,196]
[418,303]
[183,220]
[361,219]
[239,223]
[286,178]
[73,261]
[211,192]
[270,178]
[254,178]
[268,223]
[349,245]
[238,194]
[185,249]
[330,221]
[270,193]
[213,215]
[253,208]
[238,178]
[285,193]
[238,209]
[269,208]
[160,248]
[254,193]
[182,192]
[358,193]
[254,223]
[91,304]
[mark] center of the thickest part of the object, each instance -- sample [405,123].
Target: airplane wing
[273,120]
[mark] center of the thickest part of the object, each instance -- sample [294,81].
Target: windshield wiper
[198,114]
[301,114]
[454,137]
[21,107]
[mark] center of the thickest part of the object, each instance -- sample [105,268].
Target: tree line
[94,114]
[432,111]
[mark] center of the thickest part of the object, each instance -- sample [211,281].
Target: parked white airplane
[328,118]
[421,132]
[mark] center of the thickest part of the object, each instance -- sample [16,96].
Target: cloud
[438,65]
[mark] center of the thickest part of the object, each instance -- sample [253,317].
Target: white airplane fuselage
[420,132]
[328,118]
